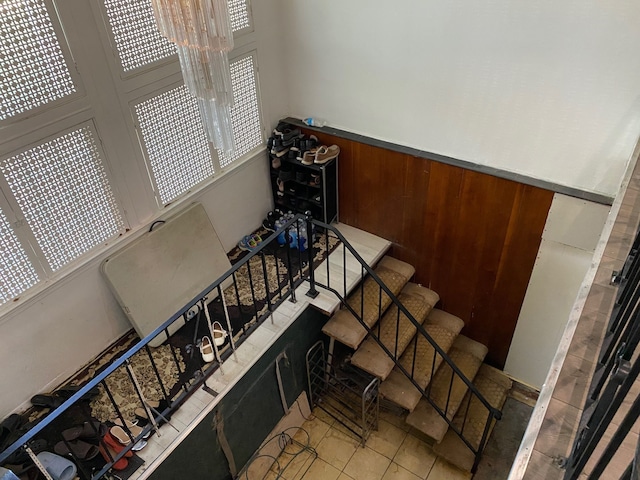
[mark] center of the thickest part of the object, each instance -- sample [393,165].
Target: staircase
[425,366]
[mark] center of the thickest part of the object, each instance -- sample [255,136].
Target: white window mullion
[10,210]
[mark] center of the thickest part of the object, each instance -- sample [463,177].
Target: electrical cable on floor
[283,439]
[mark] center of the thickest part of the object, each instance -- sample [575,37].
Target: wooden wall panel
[472,237]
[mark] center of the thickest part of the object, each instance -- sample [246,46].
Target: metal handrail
[492,411]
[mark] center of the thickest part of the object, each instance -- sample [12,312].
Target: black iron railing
[615,375]
[393,353]
[240,286]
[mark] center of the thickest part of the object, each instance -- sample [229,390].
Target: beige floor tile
[573,383]
[443,470]
[293,462]
[396,472]
[558,429]
[312,432]
[336,448]
[324,416]
[416,456]
[387,439]
[395,420]
[344,476]
[367,464]
[321,470]
[542,467]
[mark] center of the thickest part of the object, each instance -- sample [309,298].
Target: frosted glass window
[16,272]
[33,70]
[62,189]
[239,13]
[175,142]
[245,113]
[135,33]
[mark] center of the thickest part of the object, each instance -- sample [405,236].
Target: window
[175,142]
[84,141]
[62,190]
[34,71]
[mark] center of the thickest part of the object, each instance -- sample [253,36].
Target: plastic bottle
[314,122]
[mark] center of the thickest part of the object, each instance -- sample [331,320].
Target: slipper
[135,429]
[68,391]
[89,431]
[20,456]
[109,454]
[120,434]
[250,243]
[79,449]
[48,401]
[58,467]
[115,445]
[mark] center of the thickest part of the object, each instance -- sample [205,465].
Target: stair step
[397,388]
[344,327]
[494,386]
[467,355]
[370,357]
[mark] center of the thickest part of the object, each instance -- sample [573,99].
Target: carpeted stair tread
[344,327]
[494,387]
[467,355]
[443,328]
[370,357]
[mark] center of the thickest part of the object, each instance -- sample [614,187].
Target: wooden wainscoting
[472,237]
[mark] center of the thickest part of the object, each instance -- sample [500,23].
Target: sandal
[219,334]
[47,401]
[88,430]
[77,448]
[58,467]
[250,243]
[113,444]
[135,430]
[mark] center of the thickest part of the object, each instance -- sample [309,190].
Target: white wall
[568,242]
[548,88]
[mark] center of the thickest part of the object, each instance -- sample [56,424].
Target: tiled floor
[391,453]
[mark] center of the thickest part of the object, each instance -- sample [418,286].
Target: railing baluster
[228,320]
[165,394]
[312,292]
[292,289]
[176,361]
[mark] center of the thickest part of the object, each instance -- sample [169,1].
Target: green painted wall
[250,410]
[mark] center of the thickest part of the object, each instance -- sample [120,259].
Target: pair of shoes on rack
[321,155]
[110,447]
[219,337]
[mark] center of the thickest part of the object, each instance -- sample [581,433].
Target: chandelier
[201,29]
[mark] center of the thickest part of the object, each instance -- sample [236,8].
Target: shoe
[309,157]
[315,179]
[219,334]
[206,349]
[276,163]
[119,432]
[58,467]
[109,454]
[326,154]
[281,128]
[79,449]
[88,431]
[250,243]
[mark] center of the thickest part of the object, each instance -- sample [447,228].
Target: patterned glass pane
[16,272]
[62,188]
[33,70]
[135,33]
[175,142]
[239,12]
[245,114]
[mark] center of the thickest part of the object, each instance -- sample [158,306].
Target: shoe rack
[299,188]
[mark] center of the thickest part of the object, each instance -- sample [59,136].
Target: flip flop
[68,391]
[77,448]
[122,436]
[89,431]
[133,427]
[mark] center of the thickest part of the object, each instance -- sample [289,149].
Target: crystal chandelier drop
[201,29]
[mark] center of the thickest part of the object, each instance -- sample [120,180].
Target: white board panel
[159,273]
